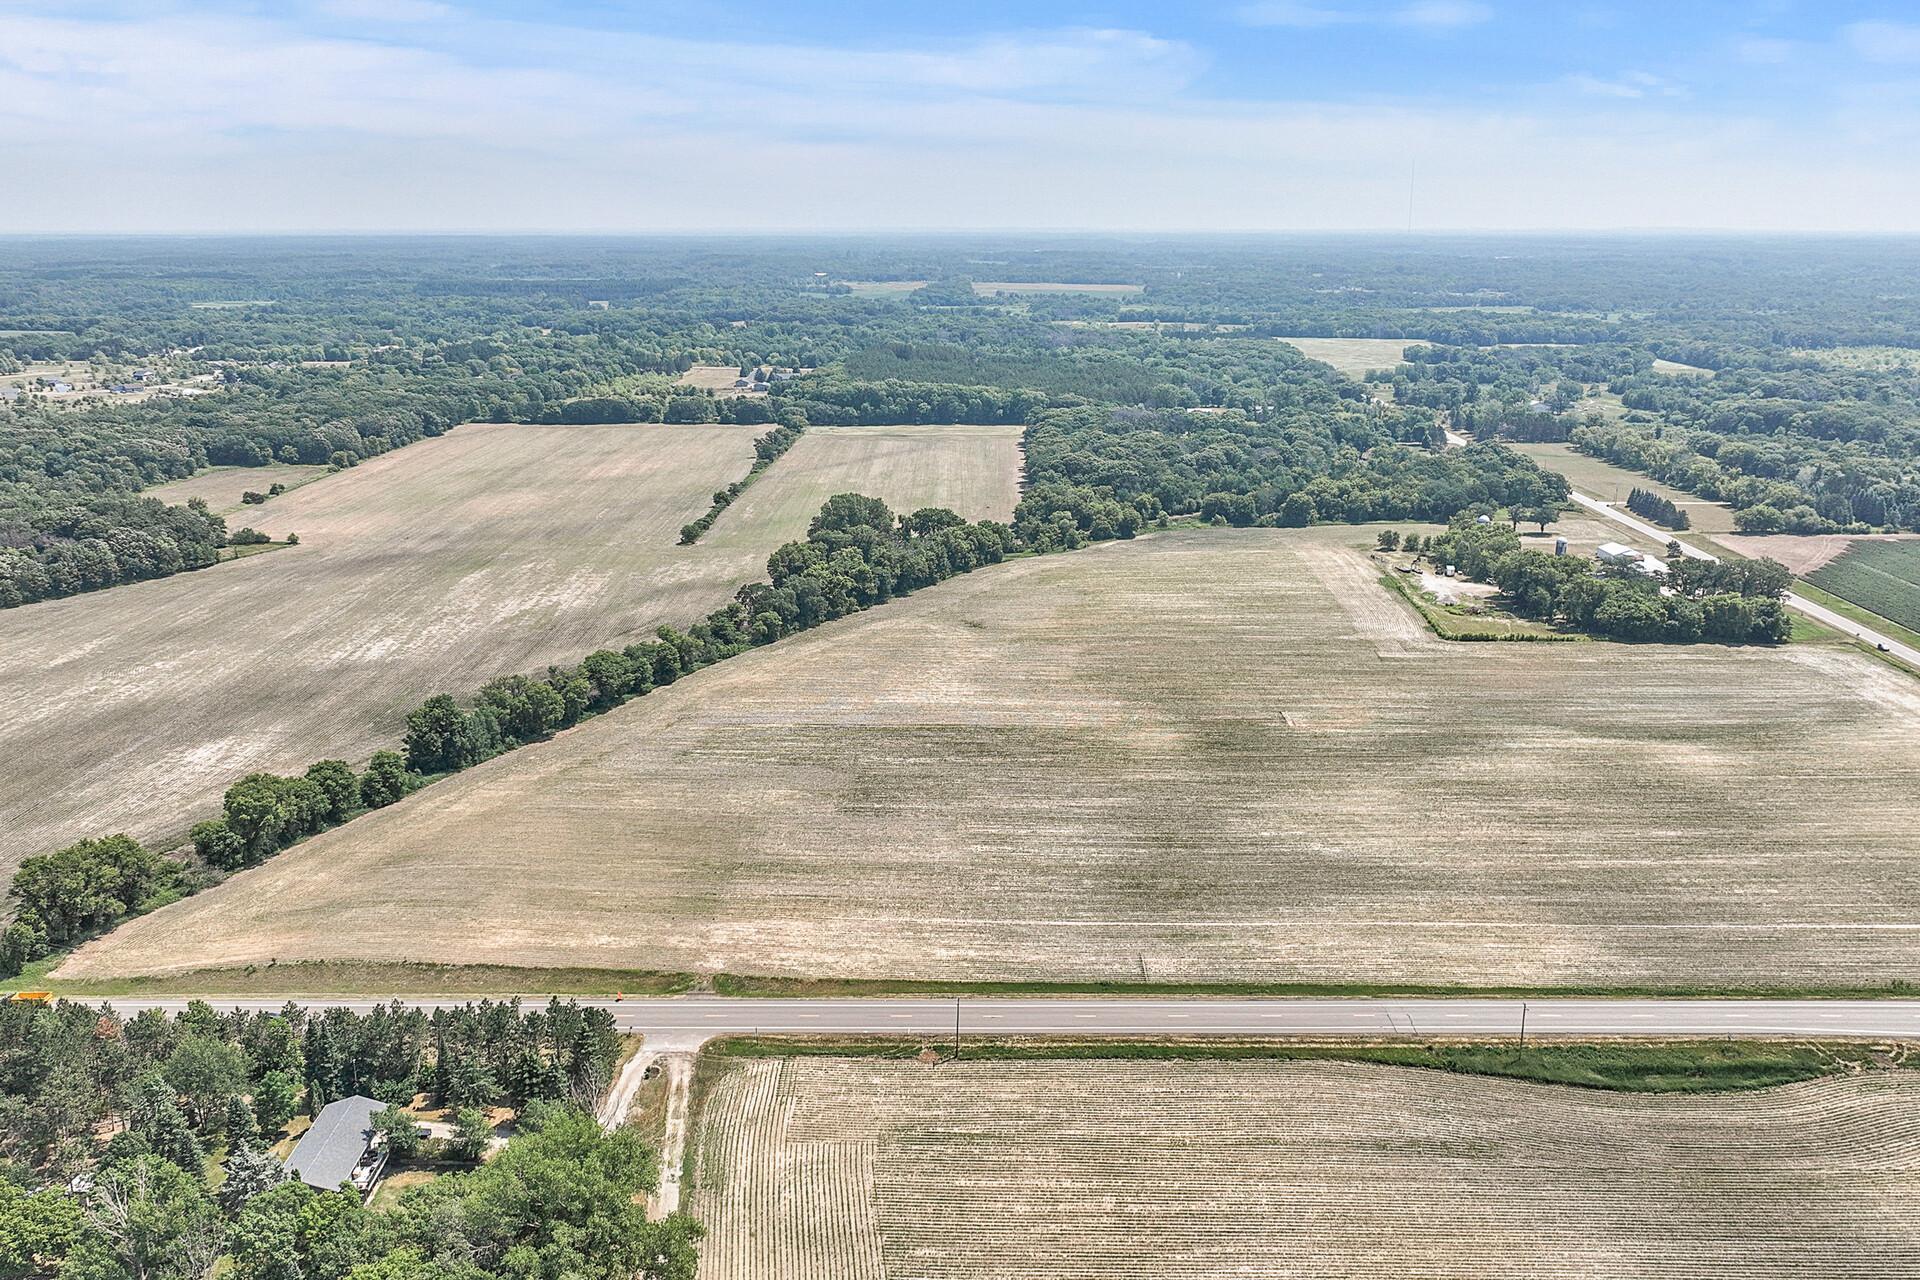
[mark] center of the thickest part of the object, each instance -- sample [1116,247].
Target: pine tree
[250,1171]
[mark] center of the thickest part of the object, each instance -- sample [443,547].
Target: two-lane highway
[694,1018]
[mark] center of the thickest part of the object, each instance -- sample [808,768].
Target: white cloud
[1287,13]
[1884,41]
[1630,84]
[386,10]
[1763,51]
[1442,14]
[124,126]
[1431,15]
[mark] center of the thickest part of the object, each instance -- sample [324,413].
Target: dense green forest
[329,351]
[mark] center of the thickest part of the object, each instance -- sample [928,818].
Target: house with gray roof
[342,1146]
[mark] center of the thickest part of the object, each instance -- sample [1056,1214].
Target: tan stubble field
[1076,1170]
[493,549]
[1199,756]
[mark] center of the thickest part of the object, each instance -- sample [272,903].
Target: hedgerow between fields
[857,554]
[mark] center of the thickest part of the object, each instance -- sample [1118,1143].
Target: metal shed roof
[326,1153]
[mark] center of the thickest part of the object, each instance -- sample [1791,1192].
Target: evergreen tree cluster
[1662,510]
[108,1125]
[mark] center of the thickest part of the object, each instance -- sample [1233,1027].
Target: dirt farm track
[998,778]
[492,549]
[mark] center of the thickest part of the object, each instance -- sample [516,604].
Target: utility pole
[1523,1024]
[956,1028]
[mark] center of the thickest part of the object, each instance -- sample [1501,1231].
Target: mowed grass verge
[1082,1168]
[493,549]
[1209,757]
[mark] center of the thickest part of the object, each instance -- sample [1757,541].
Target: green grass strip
[1682,1066]
[729,984]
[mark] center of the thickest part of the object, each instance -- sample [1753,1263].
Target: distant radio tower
[1412,165]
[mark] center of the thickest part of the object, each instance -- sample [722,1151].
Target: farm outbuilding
[1616,553]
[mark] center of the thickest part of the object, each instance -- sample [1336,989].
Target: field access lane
[695,1018]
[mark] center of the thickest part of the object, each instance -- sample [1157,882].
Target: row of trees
[263,813]
[765,450]
[1660,509]
[494,1053]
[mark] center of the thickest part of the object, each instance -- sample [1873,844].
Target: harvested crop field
[882,288]
[711,377]
[1061,1170]
[223,487]
[1353,356]
[1206,755]
[489,550]
[1800,552]
[974,471]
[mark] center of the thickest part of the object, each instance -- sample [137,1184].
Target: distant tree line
[1292,467]
[1726,602]
[1662,510]
[765,450]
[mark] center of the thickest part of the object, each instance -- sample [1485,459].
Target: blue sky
[605,115]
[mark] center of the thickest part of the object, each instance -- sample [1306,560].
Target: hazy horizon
[1240,117]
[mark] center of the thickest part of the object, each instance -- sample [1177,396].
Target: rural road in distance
[1818,612]
[695,1018]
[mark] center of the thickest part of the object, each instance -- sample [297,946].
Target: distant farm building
[342,1146]
[1620,556]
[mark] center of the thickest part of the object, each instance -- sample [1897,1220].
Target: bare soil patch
[711,377]
[1214,755]
[1802,553]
